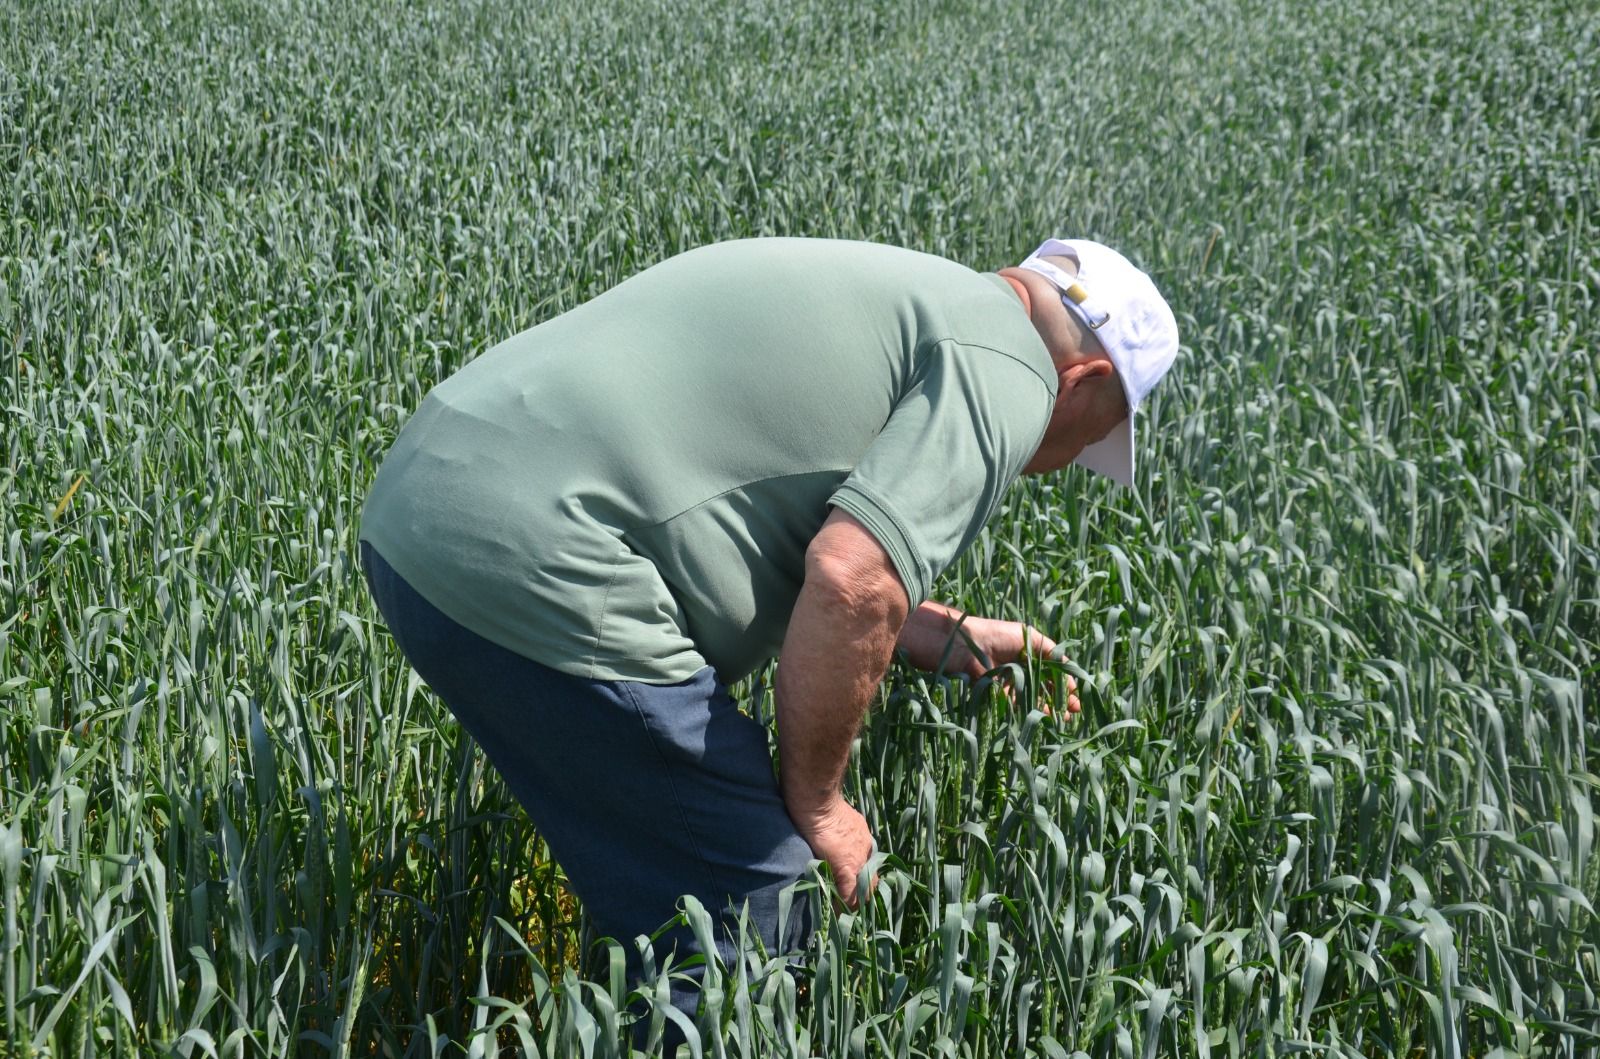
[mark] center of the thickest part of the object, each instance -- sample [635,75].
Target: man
[756,448]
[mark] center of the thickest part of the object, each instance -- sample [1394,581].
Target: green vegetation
[1334,786]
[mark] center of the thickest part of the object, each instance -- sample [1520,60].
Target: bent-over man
[759,448]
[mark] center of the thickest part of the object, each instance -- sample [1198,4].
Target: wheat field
[1333,789]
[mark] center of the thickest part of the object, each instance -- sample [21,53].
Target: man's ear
[1083,371]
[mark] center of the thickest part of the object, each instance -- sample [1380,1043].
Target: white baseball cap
[1133,322]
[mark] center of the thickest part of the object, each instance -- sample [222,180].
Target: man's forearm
[926,635]
[834,655]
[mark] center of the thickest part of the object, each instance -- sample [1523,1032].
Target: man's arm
[840,639]
[965,643]
[927,634]
[940,638]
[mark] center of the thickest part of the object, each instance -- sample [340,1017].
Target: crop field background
[1334,785]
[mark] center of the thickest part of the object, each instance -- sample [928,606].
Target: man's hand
[839,835]
[972,645]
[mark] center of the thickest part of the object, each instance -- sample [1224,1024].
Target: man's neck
[1022,292]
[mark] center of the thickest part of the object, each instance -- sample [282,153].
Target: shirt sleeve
[970,420]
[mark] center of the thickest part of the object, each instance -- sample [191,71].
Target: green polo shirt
[626,491]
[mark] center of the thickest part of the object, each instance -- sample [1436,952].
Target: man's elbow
[865,594]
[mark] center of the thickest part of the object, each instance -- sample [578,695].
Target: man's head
[1112,337]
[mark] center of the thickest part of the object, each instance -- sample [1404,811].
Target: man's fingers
[1071,702]
[850,892]
[1038,642]
[846,883]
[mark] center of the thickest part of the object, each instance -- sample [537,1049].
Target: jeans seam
[683,815]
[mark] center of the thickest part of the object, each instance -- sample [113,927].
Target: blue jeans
[644,792]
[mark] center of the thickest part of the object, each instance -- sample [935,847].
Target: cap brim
[1112,455]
